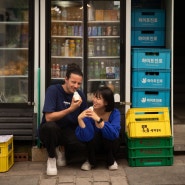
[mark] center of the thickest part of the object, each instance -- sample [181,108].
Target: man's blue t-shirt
[56,99]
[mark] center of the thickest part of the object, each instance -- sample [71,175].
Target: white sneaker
[114,166]
[61,160]
[51,166]
[86,166]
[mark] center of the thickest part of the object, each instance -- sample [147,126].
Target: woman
[99,127]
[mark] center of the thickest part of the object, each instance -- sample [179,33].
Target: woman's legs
[111,149]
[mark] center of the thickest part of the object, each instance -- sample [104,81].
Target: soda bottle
[96,70]
[54,49]
[78,48]
[97,47]
[91,48]
[71,48]
[103,48]
[102,70]
[91,69]
[57,71]
[53,70]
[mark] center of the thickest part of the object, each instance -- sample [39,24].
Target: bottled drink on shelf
[57,71]
[59,30]
[54,50]
[63,49]
[91,48]
[117,71]
[64,14]
[91,12]
[114,47]
[53,69]
[103,48]
[59,47]
[102,70]
[91,70]
[78,48]
[67,48]
[71,48]
[115,30]
[54,29]
[64,33]
[76,30]
[96,70]
[64,70]
[109,47]
[97,47]
[61,71]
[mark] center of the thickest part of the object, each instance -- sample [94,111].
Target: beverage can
[109,30]
[99,30]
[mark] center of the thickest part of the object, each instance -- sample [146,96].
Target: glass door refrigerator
[16,67]
[66,38]
[87,33]
[103,46]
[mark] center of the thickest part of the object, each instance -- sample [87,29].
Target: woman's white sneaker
[51,166]
[114,166]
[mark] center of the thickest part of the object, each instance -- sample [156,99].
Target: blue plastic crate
[155,58]
[151,37]
[150,98]
[151,79]
[148,18]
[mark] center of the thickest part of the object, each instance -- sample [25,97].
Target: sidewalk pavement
[34,173]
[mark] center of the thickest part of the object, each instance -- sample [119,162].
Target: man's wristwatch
[100,120]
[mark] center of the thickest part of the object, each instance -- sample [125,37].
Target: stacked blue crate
[151,72]
[148,27]
[150,77]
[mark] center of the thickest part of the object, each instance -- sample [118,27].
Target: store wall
[179,55]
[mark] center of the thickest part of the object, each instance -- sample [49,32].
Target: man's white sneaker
[86,166]
[61,160]
[114,166]
[51,166]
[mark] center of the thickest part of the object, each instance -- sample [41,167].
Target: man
[60,113]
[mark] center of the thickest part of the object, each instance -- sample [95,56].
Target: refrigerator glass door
[66,36]
[14,34]
[103,47]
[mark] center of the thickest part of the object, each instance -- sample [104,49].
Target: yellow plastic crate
[6,145]
[6,152]
[148,122]
[6,162]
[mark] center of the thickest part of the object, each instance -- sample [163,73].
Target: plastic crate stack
[6,152]
[151,71]
[148,137]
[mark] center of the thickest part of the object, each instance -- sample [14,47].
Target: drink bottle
[102,70]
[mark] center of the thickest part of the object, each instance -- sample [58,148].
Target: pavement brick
[66,179]
[48,181]
[83,181]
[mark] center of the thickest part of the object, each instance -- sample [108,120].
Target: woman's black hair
[73,68]
[107,94]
